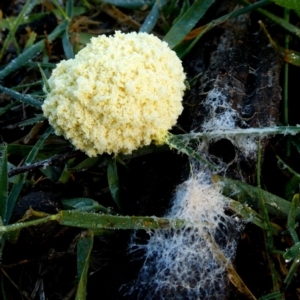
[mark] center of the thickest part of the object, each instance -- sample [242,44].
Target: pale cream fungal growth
[119,93]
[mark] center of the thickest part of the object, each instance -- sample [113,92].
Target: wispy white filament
[182,264]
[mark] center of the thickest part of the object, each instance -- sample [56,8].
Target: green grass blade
[53,173]
[31,156]
[46,152]
[268,233]
[3,183]
[146,150]
[20,225]
[12,38]
[291,187]
[67,46]
[42,64]
[289,56]
[292,253]
[28,54]
[82,204]
[186,23]
[291,274]
[285,166]
[2,239]
[77,11]
[184,7]
[4,23]
[69,8]
[291,223]
[262,204]
[26,85]
[3,193]
[29,5]
[286,77]
[45,81]
[20,179]
[113,181]
[248,194]
[272,296]
[183,49]
[179,143]
[296,143]
[269,241]
[153,16]
[86,204]
[6,108]
[293,4]
[13,196]
[250,215]
[260,132]
[2,289]
[283,23]
[31,121]
[61,10]
[65,174]
[84,249]
[131,4]
[96,221]
[297,12]
[21,97]
[87,163]
[276,280]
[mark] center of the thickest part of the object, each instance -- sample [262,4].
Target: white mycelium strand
[181,263]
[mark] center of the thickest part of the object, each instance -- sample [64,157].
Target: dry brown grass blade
[33,134]
[194,33]
[237,281]
[119,16]
[290,56]
[233,276]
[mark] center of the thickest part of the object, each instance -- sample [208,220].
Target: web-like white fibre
[221,116]
[181,264]
[184,264]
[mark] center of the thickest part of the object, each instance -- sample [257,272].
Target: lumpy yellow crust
[119,93]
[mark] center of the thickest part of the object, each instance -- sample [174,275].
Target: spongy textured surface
[182,264]
[119,93]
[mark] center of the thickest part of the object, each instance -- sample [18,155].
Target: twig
[54,160]
[23,293]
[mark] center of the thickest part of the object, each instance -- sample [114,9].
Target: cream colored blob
[119,93]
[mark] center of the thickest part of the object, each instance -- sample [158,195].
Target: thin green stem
[263,206]
[286,85]
[286,74]
[285,166]
[285,94]
[223,19]
[12,29]
[268,231]
[258,172]
[282,22]
[94,221]
[261,132]
[21,97]
[19,226]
